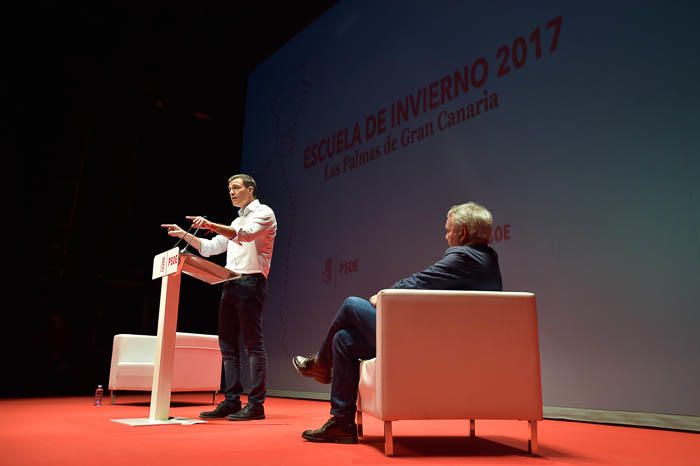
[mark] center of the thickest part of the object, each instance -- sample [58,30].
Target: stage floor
[70,431]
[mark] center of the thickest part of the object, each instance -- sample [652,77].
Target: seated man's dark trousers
[352,336]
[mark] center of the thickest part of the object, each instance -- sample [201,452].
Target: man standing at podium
[248,242]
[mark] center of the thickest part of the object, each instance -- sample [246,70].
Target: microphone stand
[184,250]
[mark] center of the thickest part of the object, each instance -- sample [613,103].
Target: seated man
[468,264]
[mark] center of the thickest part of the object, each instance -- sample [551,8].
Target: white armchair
[480,348]
[197,363]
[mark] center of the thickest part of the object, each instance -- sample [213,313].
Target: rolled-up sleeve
[257,223]
[214,246]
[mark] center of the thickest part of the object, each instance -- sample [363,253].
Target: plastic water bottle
[98,395]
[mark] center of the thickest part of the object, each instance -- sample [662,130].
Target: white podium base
[145,421]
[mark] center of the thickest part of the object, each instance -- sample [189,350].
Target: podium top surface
[204,270]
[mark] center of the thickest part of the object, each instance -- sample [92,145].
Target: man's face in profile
[455,235]
[240,195]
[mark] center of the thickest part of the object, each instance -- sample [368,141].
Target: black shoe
[251,412]
[309,366]
[222,410]
[333,431]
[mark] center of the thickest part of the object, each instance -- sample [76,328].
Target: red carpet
[70,431]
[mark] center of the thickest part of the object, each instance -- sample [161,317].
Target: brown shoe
[333,431]
[309,366]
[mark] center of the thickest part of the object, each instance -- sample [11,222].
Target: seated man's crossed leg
[350,337]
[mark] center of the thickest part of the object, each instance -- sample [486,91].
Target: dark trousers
[352,336]
[240,314]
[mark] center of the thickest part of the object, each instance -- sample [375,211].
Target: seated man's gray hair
[476,218]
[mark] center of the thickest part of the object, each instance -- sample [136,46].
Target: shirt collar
[249,208]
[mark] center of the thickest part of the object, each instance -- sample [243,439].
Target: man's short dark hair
[247,180]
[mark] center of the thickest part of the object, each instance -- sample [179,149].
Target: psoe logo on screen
[327,275]
[501,233]
[331,272]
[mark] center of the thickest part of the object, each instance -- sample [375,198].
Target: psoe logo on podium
[166,263]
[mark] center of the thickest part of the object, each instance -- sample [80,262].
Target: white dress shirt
[250,251]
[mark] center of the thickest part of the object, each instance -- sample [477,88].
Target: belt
[258,274]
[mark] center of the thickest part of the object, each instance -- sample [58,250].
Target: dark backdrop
[121,117]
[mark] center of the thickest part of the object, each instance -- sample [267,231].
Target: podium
[169,266]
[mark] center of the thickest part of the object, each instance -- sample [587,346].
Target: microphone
[184,250]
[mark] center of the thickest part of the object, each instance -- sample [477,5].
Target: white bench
[197,363]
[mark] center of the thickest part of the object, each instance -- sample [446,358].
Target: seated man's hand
[373,300]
